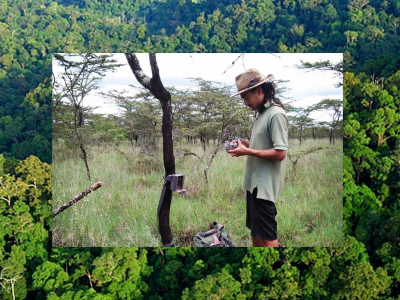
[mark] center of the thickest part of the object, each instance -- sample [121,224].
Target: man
[266,153]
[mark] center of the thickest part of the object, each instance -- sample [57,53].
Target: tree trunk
[85,159]
[300,135]
[203,141]
[155,86]
[81,146]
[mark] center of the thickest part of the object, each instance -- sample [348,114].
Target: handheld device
[232,145]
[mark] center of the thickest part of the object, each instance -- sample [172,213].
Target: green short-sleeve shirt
[270,130]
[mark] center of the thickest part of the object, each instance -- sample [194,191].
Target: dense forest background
[368,264]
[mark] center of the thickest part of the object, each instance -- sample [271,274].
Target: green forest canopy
[367,267]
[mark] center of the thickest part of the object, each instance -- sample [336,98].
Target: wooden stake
[76,198]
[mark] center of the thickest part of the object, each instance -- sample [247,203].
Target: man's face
[253,100]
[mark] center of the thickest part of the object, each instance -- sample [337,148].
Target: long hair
[268,89]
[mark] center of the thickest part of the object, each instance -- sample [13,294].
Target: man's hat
[250,79]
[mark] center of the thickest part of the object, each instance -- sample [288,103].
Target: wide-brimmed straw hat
[250,79]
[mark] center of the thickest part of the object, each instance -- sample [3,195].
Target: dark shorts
[260,217]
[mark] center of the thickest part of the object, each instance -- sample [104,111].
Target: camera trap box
[177,181]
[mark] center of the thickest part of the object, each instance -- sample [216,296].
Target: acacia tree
[82,74]
[336,68]
[155,86]
[141,113]
[213,114]
[327,104]
[301,120]
[215,110]
[336,108]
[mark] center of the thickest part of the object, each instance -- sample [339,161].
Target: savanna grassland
[123,212]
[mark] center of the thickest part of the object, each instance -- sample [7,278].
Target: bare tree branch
[296,156]
[137,70]
[154,67]
[76,199]
[233,63]
[242,55]
[217,148]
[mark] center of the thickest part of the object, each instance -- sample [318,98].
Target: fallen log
[76,199]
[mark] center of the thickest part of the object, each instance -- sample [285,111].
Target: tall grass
[123,212]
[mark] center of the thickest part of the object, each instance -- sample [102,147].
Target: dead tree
[76,199]
[217,148]
[155,86]
[295,157]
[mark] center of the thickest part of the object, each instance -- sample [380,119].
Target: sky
[304,86]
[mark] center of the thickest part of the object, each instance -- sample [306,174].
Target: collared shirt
[270,130]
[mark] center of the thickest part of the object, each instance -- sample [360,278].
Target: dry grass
[123,212]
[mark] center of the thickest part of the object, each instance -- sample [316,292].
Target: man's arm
[272,154]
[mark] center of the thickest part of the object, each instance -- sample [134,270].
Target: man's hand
[246,143]
[241,149]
